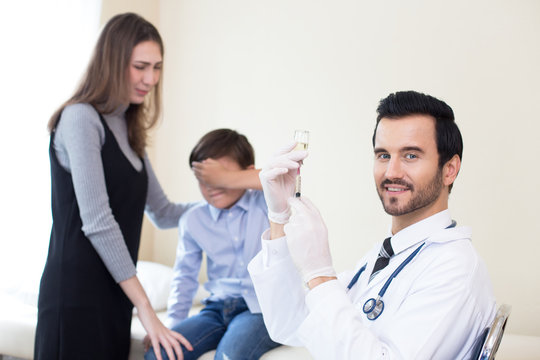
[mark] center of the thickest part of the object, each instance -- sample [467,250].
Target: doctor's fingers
[272,174]
[300,224]
[279,167]
[289,160]
[285,148]
[306,216]
[303,205]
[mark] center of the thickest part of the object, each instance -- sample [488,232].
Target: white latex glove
[278,179]
[307,239]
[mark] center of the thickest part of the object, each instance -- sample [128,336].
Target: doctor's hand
[278,180]
[307,240]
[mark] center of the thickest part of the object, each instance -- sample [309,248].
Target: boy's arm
[185,282]
[212,173]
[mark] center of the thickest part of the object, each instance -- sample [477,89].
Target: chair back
[495,334]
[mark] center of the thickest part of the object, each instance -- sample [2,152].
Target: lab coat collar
[432,229]
[242,203]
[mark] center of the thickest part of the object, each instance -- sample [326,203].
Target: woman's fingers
[182,340]
[157,348]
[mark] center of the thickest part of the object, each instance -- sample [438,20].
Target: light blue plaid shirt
[230,238]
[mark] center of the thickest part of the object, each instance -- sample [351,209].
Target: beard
[421,198]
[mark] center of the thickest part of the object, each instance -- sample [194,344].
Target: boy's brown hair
[224,142]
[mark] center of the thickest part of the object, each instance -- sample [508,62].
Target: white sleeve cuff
[273,251]
[321,293]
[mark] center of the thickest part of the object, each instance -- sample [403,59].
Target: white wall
[41,63]
[268,67]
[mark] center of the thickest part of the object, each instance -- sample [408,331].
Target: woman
[102,182]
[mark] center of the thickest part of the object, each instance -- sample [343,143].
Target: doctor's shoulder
[452,256]
[454,269]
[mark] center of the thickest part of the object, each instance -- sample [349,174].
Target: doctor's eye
[411,156]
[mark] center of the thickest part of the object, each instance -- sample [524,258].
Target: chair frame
[496,331]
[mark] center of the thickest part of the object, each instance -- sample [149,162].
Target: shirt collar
[420,231]
[242,203]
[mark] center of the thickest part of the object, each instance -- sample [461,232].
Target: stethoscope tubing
[398,270]
[373,308]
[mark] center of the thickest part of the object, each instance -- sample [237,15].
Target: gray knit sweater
[78,141]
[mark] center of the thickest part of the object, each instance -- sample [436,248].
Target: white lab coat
[434,309]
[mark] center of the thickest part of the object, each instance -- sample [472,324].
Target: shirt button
[274,251]
[235,238]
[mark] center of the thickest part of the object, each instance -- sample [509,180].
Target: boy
[227,227]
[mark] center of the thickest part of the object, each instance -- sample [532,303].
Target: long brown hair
[104,85]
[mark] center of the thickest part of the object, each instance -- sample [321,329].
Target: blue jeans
[227,326]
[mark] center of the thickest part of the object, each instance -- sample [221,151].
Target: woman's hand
[159,335]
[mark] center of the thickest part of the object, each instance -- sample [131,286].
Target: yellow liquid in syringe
[298,180]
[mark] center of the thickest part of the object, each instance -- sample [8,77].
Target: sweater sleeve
[78,141]
[162,212]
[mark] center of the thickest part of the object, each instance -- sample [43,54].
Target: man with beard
[422,293]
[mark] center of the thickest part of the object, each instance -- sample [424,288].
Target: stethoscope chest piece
[373,308]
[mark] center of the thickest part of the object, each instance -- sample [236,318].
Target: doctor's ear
[451,170]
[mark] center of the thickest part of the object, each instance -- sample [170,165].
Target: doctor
[427,297]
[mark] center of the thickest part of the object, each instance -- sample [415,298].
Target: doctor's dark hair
[105,84]
[224,142]
[405,103]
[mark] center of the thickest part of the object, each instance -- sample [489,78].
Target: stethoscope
[373,308]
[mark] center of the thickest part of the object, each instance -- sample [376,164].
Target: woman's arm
[157,332]
[78,141]
[212,173]
[163,213]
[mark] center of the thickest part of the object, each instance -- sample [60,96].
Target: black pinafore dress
[82,312]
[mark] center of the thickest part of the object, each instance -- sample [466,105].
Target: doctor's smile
[393,189]
[396,186]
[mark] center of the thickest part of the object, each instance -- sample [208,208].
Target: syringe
[302,140]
